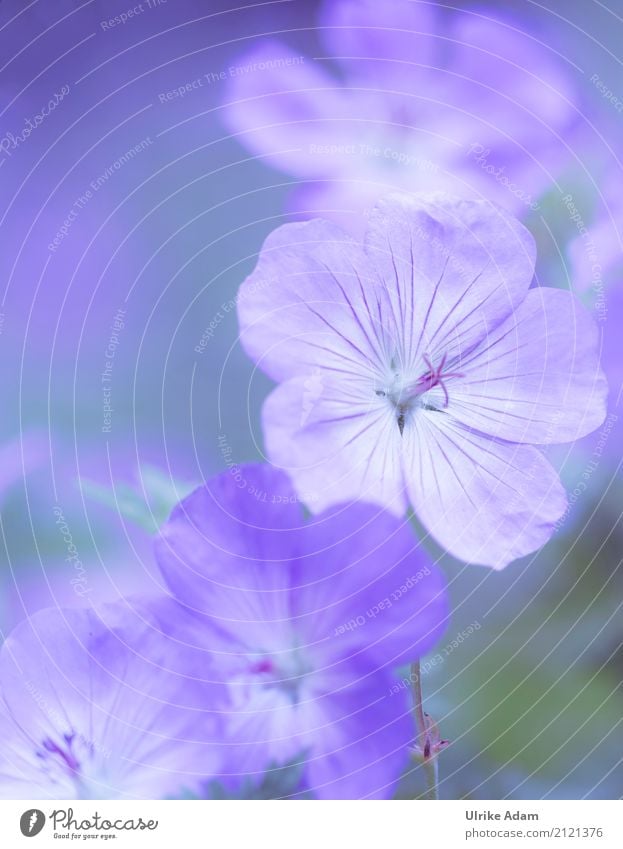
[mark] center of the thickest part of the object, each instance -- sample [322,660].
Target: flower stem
[429,757]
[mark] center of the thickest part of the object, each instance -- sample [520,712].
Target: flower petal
[363,732]
[100,711]
[336,447]
[454,269]
[226,550]
[264,729]
[365,585]
[350,729]
[311,300]
[508,74]
[485,501]
[284,106]
[381,42]
[536,378]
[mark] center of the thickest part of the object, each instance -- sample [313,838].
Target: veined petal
[454,269]
[313,300]
[535,378]
[485,501]
[95,710]
[335,447]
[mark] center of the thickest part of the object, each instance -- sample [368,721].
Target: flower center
[67,757]
[62,754]
[406,394]
[285,671]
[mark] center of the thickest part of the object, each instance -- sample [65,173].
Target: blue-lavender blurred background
[128,217]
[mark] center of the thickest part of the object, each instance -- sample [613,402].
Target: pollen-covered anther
[406,395]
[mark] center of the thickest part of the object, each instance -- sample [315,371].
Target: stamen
[403,396]
[263,666]
[401,420]
[435,377]
[66,755]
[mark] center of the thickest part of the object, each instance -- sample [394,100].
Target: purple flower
[405,96]
[441,370]
[596,260]
[308,620]
[595,252]
[94,709]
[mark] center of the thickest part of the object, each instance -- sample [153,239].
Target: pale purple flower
[307,621]
[442,371]
[102,709]
[403,95]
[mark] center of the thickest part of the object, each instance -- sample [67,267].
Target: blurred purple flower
[440,369]
[94,709]
[309,619]
[596,249]
[596,260]
[413,98]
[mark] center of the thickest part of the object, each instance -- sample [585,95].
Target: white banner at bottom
[303,824]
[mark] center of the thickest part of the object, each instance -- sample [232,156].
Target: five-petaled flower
[442,370]
[95,709]
[308,621]
[405,96]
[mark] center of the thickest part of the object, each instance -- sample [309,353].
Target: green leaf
[147,503]
[280,781]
